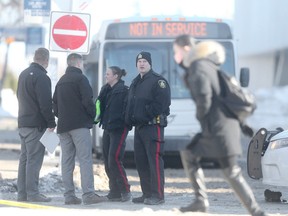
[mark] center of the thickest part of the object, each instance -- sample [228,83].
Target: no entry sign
[69,32]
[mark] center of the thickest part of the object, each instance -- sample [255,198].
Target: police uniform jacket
[220,134]
[73,101]
[35,98]
[148,97]
[113,102]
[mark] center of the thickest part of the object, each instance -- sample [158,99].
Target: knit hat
[144,55]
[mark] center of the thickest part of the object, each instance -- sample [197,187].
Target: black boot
[195,173]
[242,190]
[259,213]
[197,206]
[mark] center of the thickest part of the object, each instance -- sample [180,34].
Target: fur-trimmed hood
[206,49]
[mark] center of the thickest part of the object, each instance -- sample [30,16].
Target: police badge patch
[162,83]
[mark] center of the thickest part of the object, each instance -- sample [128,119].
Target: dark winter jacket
[113,103]
[35,98]
[220,134]
[73,101]
[148,97]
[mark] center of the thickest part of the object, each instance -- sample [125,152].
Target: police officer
[149,99]
[112,102]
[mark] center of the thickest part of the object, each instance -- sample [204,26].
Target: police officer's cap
[144,55]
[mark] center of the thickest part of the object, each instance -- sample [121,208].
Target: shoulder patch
[156,74]
[162,83]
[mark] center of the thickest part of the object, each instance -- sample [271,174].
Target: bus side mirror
[244,77]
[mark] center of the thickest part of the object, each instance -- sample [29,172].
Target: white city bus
[118,42]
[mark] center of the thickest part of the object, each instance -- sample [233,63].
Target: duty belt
[160,119]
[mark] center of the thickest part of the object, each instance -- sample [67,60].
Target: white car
[267,159]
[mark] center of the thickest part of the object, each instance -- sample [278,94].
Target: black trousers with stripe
[148,151]
[113,153]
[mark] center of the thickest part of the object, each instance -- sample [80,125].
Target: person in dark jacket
[113,100]
[148,106]
[34,117]
[73,105]
[220,135]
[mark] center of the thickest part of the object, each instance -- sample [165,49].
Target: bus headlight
[282,143]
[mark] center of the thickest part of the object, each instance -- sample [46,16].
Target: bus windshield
[123,54]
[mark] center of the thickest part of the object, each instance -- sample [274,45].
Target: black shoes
[73,200]
[197,206]
[153,201]
[123,197]
[36,198]
[39,198]
[260,213]
[93,199]
[148,200]
[138,199]
[22,198]
[114,197]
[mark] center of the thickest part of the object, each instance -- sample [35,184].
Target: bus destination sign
[141,30]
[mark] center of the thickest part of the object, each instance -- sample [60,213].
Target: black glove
[194,141]
[129,127]
[247,130]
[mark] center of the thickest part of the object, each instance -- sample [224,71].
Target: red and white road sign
[69,32]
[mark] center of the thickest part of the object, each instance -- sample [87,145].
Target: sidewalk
[9,156]
[10,150]
[9,130]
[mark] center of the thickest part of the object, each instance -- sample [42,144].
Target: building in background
[262,36]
